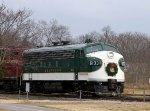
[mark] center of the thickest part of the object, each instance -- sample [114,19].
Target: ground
[77,104]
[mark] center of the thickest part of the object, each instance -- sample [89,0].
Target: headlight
[110,55]
[122,64]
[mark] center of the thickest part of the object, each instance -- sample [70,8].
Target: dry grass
[137,91]
[99,106]
[3,110]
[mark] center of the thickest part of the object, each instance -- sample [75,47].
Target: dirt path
[25,107]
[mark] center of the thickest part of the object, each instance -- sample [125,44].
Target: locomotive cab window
[108,47]
[93,48]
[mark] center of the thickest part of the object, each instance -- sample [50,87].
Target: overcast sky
[83,16]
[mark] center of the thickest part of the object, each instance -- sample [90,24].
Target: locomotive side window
[49,64]
[56,64]
[44,64]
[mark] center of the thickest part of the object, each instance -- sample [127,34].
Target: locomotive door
[31,70]
[76,64]
[30,76]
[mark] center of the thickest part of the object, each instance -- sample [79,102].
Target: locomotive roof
[63,48]
[57,48]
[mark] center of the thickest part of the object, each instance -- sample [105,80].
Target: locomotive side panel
[48,76]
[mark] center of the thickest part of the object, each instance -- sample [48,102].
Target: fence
[138,85]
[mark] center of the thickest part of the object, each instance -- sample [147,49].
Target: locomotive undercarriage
[95,88]
[107,88]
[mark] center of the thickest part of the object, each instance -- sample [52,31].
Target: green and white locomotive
[96,68]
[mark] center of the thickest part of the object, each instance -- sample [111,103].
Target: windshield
[99,47]
[110,48]
[93,48]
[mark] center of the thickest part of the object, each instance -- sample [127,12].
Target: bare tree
[53,32]
[29,35]
[108,35]
[135,49]
[89,37]
[10,24]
